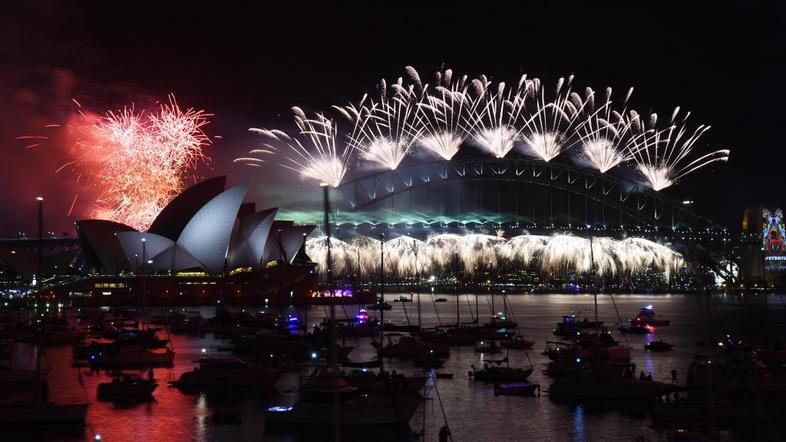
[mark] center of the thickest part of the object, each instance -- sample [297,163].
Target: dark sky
[248,63]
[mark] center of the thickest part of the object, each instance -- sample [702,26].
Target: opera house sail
[205,247]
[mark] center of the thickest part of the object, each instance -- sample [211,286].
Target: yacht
[227,372]
[369,399]
[132,356]
[647,317]
[127,385]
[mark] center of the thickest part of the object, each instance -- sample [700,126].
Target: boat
[570,326]
[441,299]
[490,347]
[24,400]
[658,346]
[500,374]
[227,372]
[379,306]
[408,346]
[127,385]
[637,329]
[364,364]
[370,382]
[516,389]
[647,317]
[369,410]
[517,343]
[594,385]
[500,320]
[42,413]
[132,356]
[364,398]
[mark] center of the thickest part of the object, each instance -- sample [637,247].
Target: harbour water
[473,412]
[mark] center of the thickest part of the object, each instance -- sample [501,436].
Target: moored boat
[500,374]
[227,372]
[516,389]
[658,346]
[647,317]
[133,356]
[127,385]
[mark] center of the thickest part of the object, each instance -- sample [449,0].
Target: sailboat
[328,397]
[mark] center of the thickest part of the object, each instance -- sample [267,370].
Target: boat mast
[458,296]
[594,289]
[477,310]
[381,297]
[417,281]
[144,283]
[332,300]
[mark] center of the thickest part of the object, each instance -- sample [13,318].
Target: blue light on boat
[280,408]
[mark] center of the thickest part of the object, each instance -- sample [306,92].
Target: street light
[40,200]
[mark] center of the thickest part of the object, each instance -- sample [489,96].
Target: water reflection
[472,410]
[578,423]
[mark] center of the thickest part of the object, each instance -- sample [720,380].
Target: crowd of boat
[731,381]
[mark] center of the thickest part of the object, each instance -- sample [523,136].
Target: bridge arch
[638,203]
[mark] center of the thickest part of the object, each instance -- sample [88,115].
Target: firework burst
[663,156]
[497,117]
[443,114]
[382,130]
[139,160]
[449,252]
[495,112]
[553,124]
[606,137]
[314,153]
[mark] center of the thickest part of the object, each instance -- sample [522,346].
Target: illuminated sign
[773,240]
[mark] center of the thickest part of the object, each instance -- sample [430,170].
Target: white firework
[313,152]
[663,156]
[495,113]
[550,128]
[607,136]
[383,129]
[443,113]
[448,252]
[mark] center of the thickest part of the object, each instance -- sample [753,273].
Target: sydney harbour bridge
[536,197]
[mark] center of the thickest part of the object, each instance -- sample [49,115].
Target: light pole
[332,300]
[381,299]
[144,280]
[40,200]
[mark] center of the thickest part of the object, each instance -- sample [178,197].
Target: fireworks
[315,154]
[663,156]
[552,125]
[495,113]
[442,116]
[383,129]
[497,117]
[139,160]
[607,136]
[471,253]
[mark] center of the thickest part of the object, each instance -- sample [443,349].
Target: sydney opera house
[206,247]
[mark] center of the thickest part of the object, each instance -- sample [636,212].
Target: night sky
[248,64]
